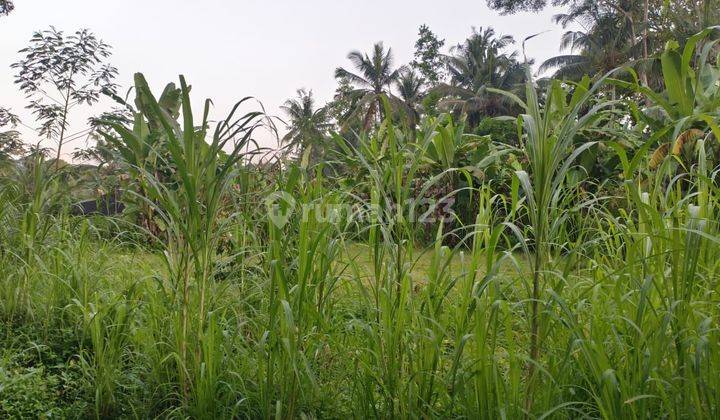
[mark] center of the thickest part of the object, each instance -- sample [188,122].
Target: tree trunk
[643,72]
[62,128]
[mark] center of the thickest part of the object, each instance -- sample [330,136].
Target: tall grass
[190,209]
[294,294]
[548,131]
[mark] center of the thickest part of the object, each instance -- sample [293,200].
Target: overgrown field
[350,288]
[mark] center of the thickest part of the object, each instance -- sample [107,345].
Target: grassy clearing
[362,256]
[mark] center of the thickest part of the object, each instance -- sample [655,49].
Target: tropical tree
[6,6]
[687,109]
[97,149]
[10,142]
[617,30]
[373,76]
[681,21]
[606,45]
[60,73]
[476,65]
[409,88]
[610,37]
[428,60]
[308,125]
[513,6]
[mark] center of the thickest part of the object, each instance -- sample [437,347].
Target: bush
[498,130]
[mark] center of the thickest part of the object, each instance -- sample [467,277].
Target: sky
[266,49]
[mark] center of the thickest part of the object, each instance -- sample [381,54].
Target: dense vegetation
[451,238]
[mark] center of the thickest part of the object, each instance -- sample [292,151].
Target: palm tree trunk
[369,116]
[380,107]
[643,73]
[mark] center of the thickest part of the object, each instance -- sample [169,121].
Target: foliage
[514,6]
[189,204]
[347,288]
[376,75]
[608,43]
[342,103]
[477,66]
[409,87]
[500,131]
[10,143]
[39,391]
[59,73]
[428,61]
[687,109]
[6,6]
[665,18]
[549,133]
[307,126]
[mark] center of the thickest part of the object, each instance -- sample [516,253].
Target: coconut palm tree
[609,41]
[477,64]
[591,53]
[409,88]
[617,32]
[307,126]
[372,79]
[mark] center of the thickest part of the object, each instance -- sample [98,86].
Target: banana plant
[142,148]
[460,156]
[451,147]
[687,109]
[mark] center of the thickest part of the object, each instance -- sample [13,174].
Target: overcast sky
[267,49]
